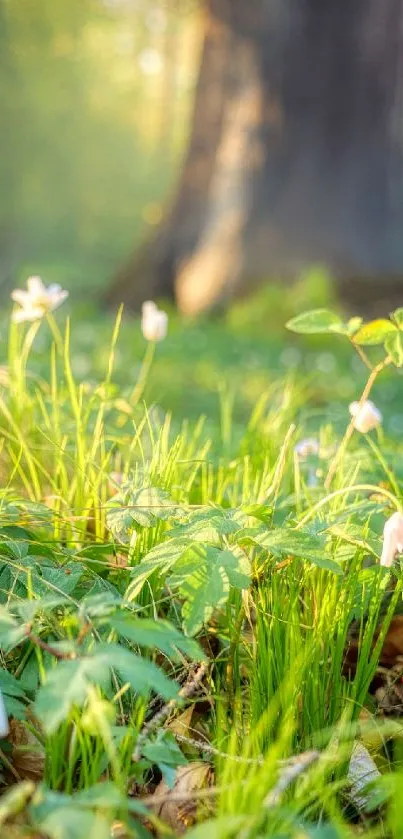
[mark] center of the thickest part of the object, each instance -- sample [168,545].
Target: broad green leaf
[99,605]
[204,574]
[161,634]
[314,322]
[283,542]
[12,694]
[144,676]
[374,332]
[398,317]
[237,566]
[70,823]
[9,685]
[161,558]
[207,525]
[203,591]
[394,348]
[139,507]
[12,633]
[67,685]
[29,609]
[164,752]
[15,708]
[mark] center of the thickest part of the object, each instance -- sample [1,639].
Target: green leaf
[67,685]
[397,316]
[237,566]
[139,507]
[203,591]
[70,823]
[164,752]
[207,525]
[374,332]
[161,634]
[314,322]
[284,542]
[68,682]
[9,684]
[204,575]
[394,348]
[161,558]
[144,676]
[12,633]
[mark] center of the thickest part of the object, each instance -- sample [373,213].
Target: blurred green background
[95,97]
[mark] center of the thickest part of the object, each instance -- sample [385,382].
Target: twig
[48,647]
[296,766]
[202,746]
[187,690]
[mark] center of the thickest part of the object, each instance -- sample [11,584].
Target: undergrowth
[178,599]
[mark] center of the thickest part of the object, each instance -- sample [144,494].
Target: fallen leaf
[28,754]
[178,807]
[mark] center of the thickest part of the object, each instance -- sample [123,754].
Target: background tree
[294,155]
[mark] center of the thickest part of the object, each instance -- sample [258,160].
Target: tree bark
[295,154]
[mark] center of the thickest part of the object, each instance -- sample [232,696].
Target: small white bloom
[366,417]
[392,539]
[4,726]
[307,447]
[154,322]
[37,301]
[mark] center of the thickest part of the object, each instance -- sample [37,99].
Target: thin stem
[363,356]
[57,335]
[48,647]
[351,426]
[138,389]
[344,491]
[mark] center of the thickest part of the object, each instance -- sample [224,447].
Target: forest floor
[196,633]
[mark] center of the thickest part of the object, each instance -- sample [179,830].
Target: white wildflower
[392,539]
[366,417]
[307,447]
[4,726]
[37,300]
[154,322]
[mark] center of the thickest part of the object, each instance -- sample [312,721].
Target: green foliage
[374,333]
[394,348]
[315,322]
[177,597]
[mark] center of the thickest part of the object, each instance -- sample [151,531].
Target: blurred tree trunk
[295,154]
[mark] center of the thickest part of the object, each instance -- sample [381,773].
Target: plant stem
[57,336]
[350,428]
[138,389]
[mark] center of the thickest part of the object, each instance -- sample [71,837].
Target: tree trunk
[295,154]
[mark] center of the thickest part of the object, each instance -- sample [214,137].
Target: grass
[168,538]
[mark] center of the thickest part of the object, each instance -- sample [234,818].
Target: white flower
[308,446]
[154,322]
[392,539]
[366,417]
[37,301]
[4,726]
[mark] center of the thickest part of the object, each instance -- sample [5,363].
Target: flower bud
[392,539]
[366,417]
[154,322]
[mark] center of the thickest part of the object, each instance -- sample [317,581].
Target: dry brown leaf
[181,724]
[28,754]
[177,807]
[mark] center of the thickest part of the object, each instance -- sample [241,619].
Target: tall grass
[277,686]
